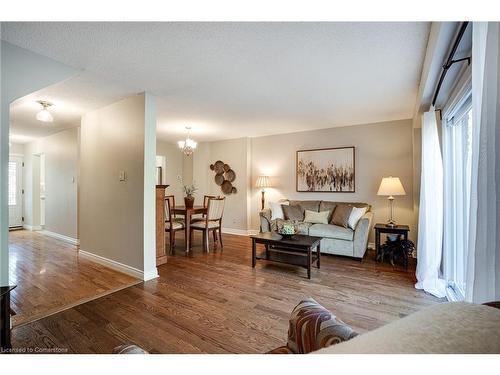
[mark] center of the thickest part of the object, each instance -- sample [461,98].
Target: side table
[382,228]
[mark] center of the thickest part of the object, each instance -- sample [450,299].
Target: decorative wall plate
[219,179]
[227,187]
[230,175]
[219,167]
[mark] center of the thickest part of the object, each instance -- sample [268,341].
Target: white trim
[151,274]
[371,245]
[71,240]
[17,155]
[134,272]
[32,227]
[239,232]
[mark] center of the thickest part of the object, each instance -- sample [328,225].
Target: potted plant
[189,191]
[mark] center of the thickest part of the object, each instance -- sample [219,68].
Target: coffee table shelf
[298,250]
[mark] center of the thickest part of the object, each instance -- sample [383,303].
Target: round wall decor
[224,177]
[230,175]
[219,179]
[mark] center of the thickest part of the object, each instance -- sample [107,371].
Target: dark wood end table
[5,312]
[382,228]
[297,250]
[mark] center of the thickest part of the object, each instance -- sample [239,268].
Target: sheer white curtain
[483,265]
[430,223]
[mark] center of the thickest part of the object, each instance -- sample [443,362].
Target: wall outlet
[122,176]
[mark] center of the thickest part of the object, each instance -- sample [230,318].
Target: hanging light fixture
[44,115]
[187,146]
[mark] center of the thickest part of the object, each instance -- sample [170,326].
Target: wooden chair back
[215,208]
[169,206]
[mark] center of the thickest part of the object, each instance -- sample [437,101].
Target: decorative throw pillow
[312,327]
[276,210]
[356,215]
[316,217]
[341,215]
[293,213]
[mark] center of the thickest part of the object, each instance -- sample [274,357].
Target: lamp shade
[391,186]
[262,182]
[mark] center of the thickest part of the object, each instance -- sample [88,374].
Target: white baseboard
[71,240]
[371,245]
[32,227]
[151,274]
[131,271]
[239,232]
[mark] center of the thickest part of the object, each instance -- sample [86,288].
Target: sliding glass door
[457,152]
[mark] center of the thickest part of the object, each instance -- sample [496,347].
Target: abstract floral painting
[326,170]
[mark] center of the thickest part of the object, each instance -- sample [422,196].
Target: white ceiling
[230,80]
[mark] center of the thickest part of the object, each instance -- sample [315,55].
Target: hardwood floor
[50,276]
[216,303]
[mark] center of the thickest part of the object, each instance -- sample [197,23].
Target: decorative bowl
[287,231]
[286,236]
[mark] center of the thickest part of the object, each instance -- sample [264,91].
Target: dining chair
[211,223]
[201,217]
[172,224]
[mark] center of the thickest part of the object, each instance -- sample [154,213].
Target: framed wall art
[326,170]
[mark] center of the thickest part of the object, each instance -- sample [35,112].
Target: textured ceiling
[229,80]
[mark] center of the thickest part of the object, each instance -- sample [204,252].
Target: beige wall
[61,182]
[234,152]
[111,211]
[382,149]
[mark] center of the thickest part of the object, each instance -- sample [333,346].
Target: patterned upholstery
[312,327]
[129,349]
[281,350]
[300,226]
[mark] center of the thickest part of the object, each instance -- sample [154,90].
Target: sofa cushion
[306,205]
[316,217]
[300,227]
[331,231]
[341,215]
[356,204]
[356,215]
[312,327]
[294,213]
[328,206]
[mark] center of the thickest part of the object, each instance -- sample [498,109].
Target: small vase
[189,201]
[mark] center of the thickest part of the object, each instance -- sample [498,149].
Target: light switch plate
[122,176]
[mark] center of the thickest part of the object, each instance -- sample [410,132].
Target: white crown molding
[131,271]
[71,240]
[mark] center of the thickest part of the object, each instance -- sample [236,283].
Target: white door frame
[16,212]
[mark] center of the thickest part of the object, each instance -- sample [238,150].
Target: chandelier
[44,115]
[187,146]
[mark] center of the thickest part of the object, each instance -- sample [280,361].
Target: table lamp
[263,183]
[391,186]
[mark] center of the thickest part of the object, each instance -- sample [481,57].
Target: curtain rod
[449,62]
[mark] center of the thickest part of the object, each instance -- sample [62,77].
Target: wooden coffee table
[297,250]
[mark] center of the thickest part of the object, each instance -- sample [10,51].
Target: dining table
[188,212]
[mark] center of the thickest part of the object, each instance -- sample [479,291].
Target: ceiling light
[44,115]
[187,146]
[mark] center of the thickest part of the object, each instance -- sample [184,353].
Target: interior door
[15,191]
